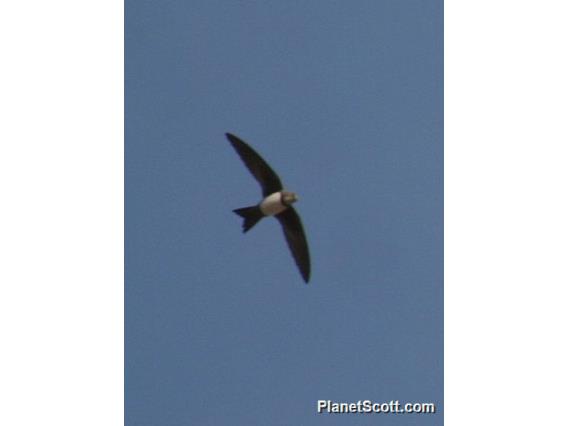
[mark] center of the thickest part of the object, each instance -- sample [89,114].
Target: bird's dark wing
[268,179]
[296,238]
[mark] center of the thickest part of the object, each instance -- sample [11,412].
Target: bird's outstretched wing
[296,239]
[268,179]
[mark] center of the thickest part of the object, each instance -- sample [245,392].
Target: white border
[61,214]
[506,205]
[61,179]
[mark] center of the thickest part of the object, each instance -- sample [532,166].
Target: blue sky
[345,101]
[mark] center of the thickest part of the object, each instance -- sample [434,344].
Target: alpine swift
[277,202]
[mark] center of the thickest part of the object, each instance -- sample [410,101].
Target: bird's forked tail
[251,216]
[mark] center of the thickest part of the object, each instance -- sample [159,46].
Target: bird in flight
[276,202]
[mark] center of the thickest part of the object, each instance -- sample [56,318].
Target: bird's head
[288,198]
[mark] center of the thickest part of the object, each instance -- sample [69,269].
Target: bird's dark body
[277,202]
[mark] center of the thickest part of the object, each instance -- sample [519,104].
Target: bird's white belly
[272,205]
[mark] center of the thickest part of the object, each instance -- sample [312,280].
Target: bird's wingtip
[235,141]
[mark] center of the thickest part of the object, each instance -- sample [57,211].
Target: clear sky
[345,101]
